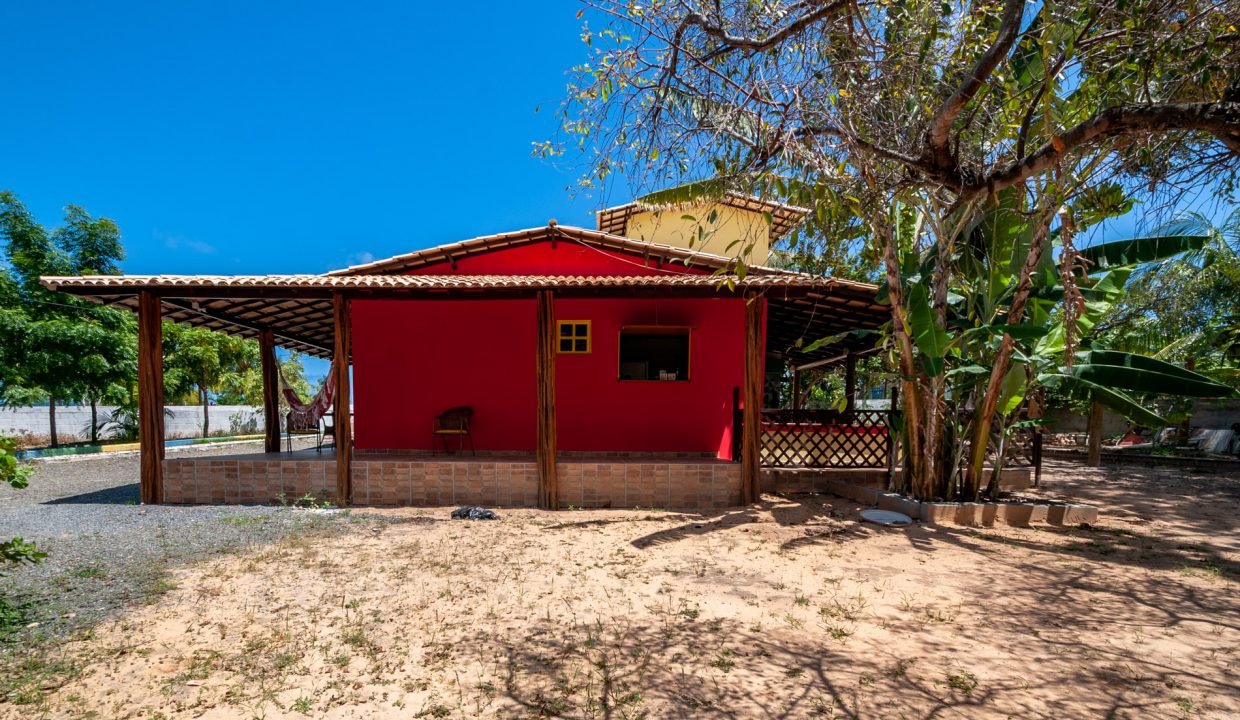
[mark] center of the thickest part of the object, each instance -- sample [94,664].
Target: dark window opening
[654,354]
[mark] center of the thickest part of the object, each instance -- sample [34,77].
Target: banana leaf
[1143,362]
[1146,380]
[1140,250]
[931,340]
[1117,400]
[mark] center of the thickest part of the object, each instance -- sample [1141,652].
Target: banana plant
[990,356]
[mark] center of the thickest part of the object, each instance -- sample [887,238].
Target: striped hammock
[306,415]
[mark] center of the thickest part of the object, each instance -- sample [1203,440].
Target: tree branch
[738,42]
[937,133]
[1220,119]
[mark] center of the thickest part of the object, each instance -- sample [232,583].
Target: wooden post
[548,480]
[850,383]
[342,419]
[893,439]
[1035,413]
[751,396]
[271,391]
[150,398]
[1095,435]
[796,388]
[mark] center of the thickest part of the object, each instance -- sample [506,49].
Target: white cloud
[180,242]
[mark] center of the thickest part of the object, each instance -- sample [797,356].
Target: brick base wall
[246,481]
[678,485]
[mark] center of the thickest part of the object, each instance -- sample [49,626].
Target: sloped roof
[298,308]
[275,285]
[783,217]
[452,252]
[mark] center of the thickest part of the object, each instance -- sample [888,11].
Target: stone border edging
[970,514]
[1123,457]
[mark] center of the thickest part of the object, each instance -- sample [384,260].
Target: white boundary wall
[181,421]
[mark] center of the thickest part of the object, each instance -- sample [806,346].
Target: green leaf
[1013,390]
[1024,331]
[1118,401]
[975,370]
[689,193]
[1148,381]
[1140,250]
[931,340]
[824,342]
[1149,364]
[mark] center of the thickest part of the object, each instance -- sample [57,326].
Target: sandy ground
[788,609]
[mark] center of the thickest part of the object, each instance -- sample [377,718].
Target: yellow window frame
[570,334]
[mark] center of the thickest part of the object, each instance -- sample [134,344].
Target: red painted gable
[559,257]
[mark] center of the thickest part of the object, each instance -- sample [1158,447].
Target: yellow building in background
[735,226]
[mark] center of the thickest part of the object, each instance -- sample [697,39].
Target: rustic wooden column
[150,398]
[850,383]
[545,450]
[1094,458]
[1036,402]
[271,391]
[796,388]
[893,438]
[342,418]
[751,397]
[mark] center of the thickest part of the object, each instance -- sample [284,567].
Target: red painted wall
[597,411]
[415,359]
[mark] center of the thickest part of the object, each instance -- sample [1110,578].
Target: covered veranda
[311,314]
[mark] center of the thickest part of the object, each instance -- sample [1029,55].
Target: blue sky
[241,137]
[230,137]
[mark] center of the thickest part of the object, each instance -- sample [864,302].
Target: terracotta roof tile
[434,282]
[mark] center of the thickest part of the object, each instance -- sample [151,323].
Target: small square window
[574,337]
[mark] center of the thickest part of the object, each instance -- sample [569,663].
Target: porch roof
[298,308]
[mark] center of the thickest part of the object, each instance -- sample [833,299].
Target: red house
[617,367]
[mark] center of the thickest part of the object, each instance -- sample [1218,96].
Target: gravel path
[105,551]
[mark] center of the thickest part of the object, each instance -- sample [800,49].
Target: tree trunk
[94,420]
[985,411]
[51,420]
[915,480]
[206,413]
[1095,435]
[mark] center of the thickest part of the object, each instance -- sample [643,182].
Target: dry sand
[789,609]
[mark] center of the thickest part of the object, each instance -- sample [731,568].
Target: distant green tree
[58,347]
[200,363]
[247,387]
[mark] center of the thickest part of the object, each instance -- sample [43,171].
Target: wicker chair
[453,423]
[322,430]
